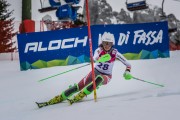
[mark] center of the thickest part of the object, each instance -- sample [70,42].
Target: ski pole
[63,72]
[104,58]
[148,82]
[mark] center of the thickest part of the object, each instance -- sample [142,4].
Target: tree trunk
[26,9]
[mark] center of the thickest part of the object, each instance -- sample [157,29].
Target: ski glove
[104,58]
[127,75]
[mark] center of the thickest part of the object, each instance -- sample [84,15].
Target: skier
[103,73]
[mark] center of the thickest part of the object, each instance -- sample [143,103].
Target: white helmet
[108,37]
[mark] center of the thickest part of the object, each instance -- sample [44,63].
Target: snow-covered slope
[120,99]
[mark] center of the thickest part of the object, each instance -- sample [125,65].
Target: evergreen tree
[6,28]
[100,12]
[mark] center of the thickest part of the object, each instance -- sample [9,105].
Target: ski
[43,104]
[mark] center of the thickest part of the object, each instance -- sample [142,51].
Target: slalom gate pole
[90,46]
[148,82]
[62,73]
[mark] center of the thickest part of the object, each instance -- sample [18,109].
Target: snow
[120,99]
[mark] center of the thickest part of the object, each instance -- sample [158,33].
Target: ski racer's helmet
[107,41]
[108,37]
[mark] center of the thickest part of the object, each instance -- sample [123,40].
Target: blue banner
[71,46]
[132,38]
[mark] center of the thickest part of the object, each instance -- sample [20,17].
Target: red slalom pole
[91,53]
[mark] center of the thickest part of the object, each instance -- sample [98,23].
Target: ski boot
[59,98]
[77,98]
[86,91]
[66,94]
[55,100]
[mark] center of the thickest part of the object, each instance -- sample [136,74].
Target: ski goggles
[104,43]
